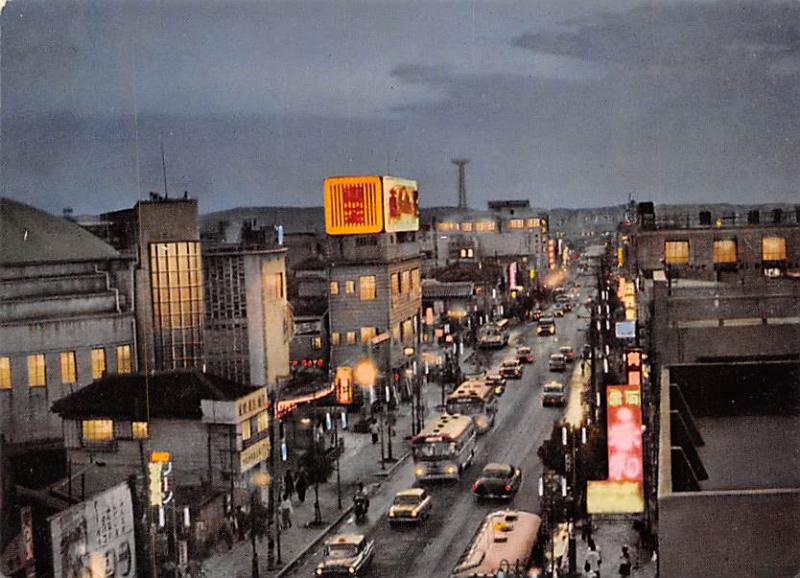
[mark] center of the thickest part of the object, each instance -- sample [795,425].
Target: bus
[477,399]
[506,540]
[494,335]
[445,448]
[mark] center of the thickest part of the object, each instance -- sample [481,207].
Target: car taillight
[508,488]
[475,487]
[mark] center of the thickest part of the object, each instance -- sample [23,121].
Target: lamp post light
[365,374]
[259,480]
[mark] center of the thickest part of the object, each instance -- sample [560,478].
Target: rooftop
[172,394]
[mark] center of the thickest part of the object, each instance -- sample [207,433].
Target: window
[408,330]
[396,333]
[351,338]
[273,286]
[246,431]
[485,226]
[446,227]
[367,333]
[405,282]
[262,421]
[98,362]
[724,251]
[366,287]
[773,249]
[676,252]
[532,223]
[462,253]
[334,287]
[466,227]
[470,253]
[139,430]
[335,338]
[36,371]
[316,342]
[5,373]
[97,430]
[414,280]
[349,287]
[124,359]
[395,282]
[68,374]
[516,224]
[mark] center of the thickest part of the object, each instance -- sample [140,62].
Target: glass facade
[177,283]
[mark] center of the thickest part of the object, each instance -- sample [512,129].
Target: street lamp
[365,374]
[258,480]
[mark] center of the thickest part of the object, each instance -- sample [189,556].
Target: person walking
[301,485]
[289,483]
[240,522]
[373,430]
[624,562]
[593,559]
[286,512]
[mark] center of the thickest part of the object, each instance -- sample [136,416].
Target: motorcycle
[360,507]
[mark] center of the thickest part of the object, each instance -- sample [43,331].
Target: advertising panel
[95,538]
[625,461]
[625,329]
[344,385]
[400,205]
[606,497]
[353,205]
[255,454]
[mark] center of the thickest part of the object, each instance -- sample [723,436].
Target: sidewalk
[610,534]
[360,462]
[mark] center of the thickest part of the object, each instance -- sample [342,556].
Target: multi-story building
[162,234]
[248,321]
[66,318]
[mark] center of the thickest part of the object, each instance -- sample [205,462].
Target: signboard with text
[625,462]
[625,329]
[353,205]
[95,537]
[400,205]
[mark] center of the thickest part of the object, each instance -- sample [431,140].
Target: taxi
[410,506]
[346,555]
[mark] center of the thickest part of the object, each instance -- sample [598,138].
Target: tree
[318,467]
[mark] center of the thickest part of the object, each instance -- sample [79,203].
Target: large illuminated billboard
[353,205]
[400,205]
[625,461]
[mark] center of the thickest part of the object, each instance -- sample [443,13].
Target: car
[410,506]
[497,481]
[546,326]
[345,555]
[558,311]
[557,362]
[567,306]
[567,352]
[512,368]
[524,354]
[553,394]
[536,314]
[498,381]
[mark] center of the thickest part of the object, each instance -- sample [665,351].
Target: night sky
[563,102]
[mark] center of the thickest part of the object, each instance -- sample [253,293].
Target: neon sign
[625,462]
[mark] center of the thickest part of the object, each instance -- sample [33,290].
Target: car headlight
[420,471]
[391,513]
[351,570]
[319,571]
[450,469]
[414,514]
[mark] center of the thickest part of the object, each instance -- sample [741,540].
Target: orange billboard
[400,205]
[353,205]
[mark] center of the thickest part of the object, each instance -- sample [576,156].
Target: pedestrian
[301,485]
[624,562]
[286,512]
[373,430]
[593,558]
[288,483]
[240,522]
[227,531]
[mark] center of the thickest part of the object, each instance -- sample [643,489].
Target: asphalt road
[522,424]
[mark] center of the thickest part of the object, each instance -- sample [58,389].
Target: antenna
[462,185]
[164,167]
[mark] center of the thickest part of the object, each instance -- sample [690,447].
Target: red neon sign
[625,462]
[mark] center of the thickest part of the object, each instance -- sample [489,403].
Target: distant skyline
[567,103]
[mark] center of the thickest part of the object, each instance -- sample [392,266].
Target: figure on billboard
[401,205]
[625,446]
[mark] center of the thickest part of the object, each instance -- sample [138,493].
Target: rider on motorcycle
[361,500]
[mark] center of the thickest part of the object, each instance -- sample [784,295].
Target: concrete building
[248,321]
[162,235]
[66,318]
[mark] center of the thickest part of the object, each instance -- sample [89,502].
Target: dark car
[498,481]
[553,394]
[536,314]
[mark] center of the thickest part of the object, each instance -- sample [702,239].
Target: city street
[522,424]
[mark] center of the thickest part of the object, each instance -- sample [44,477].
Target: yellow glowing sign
[255,454]
[611,497]
[353,205]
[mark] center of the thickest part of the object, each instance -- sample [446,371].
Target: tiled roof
[28,235]
[172,394]
[432,289]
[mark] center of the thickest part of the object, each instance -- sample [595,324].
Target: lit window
[316,342]
[532,223]
[405,281]
[246,432]
[349,287]
[485,226]
[366,287]
[5,373]
[396,332]
[273,286]
[124,359]
[98,362]
[351,338]
[773,249]
[516,224]
[395,282]
[445,227]
[139,430]
[462,253]
[68,374]
[36,371]
[97,430]
[367,333]
[470,253]
[414,280]
[334,287]
[466,227]
[335,338]
[676,252]
[262,421]
[724,251]
[408,330]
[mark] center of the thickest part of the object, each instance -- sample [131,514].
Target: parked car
[346,554]
[567,352]
[512,368]
[497,481]
[557,362]
[553,394]
[410,506]
[524,354]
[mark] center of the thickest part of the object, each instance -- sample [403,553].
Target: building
[215,430]
[66,318]
[248,322]
[163,237]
